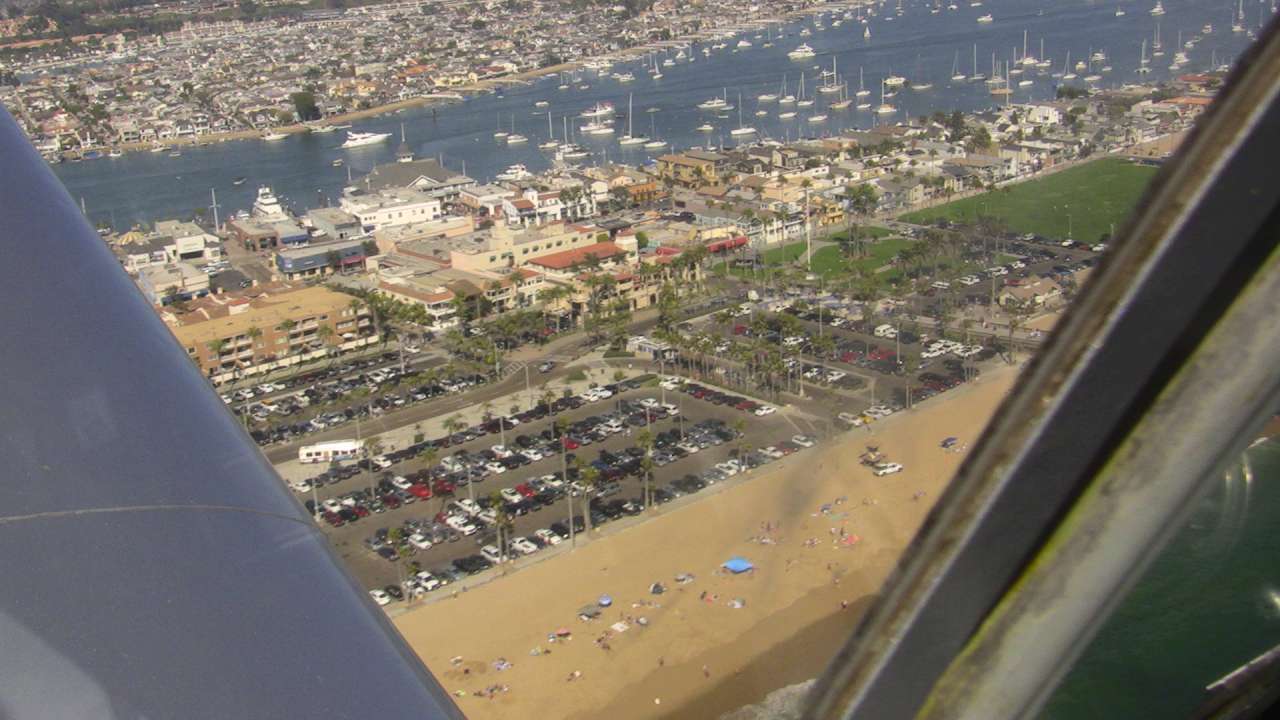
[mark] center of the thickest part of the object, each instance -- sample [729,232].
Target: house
[1040,293]
[695,168]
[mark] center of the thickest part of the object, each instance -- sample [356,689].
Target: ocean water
[919,45]
[1209,604]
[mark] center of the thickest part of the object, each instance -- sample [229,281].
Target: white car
[401,482]
[603,394]
[802,440]
[670,383]
[888,469]
[851,419]
[765,410]
[687,446]
[380,597]
[793,341]
[489,517]
[427,581]
[332,505]
[532,454]
[420,541]
[671,409]
[460,524]
[941,285]
[969,281]
[1018,264]
[523,546]
[492,554]
[382,462]
[468,506]
[834,375]
[772,452]
[1100,247]
[838,322]
[1067,243]
[495,467]
[548,537]
[729,468]
[511,495]
[552,482]
[501,451]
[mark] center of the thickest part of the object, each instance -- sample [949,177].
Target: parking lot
[692,435]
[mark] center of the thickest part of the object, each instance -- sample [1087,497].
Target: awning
[727,244]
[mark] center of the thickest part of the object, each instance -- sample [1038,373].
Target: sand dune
[822,531]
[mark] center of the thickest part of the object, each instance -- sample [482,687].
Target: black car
[394,591]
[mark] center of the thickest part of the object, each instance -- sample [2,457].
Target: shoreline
[464,92]
[779,656]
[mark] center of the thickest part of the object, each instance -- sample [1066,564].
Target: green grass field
[830,261]
[1087,200]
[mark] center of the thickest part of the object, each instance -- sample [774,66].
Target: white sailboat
[956,75]
[1158,9]
[500,134]
[844,100]
[802,101]
[655,143]
[741,130]
[1067,73]
[785,99]
[884,108]
[1237,25]
[515,138]
[1143,68]
[1157,50]
[551,143]
[976,76]
[630,139]
[832,84]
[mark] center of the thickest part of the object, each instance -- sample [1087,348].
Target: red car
[360,511]
[391,501]
[443,487]
[746,405]
[420,491]
[739,329]
[333,519]
[569,444]
[525,490]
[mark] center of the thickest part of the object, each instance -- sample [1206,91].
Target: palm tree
[589,476]
[502,523]
[561,427]
[644,441]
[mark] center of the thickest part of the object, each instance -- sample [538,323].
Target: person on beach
[706,671]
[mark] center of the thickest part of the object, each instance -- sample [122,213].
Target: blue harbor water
[919,45]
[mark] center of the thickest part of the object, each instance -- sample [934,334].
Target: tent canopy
[737,565]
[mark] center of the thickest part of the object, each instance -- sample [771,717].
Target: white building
[391,207]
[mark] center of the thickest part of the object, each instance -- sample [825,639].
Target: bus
[332,451]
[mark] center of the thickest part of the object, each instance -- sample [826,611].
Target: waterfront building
[316,260]
[391,207]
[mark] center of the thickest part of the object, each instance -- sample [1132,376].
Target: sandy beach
[821,530]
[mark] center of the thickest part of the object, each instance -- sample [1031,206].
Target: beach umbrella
[737,565]
[563,632]
[605,601]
